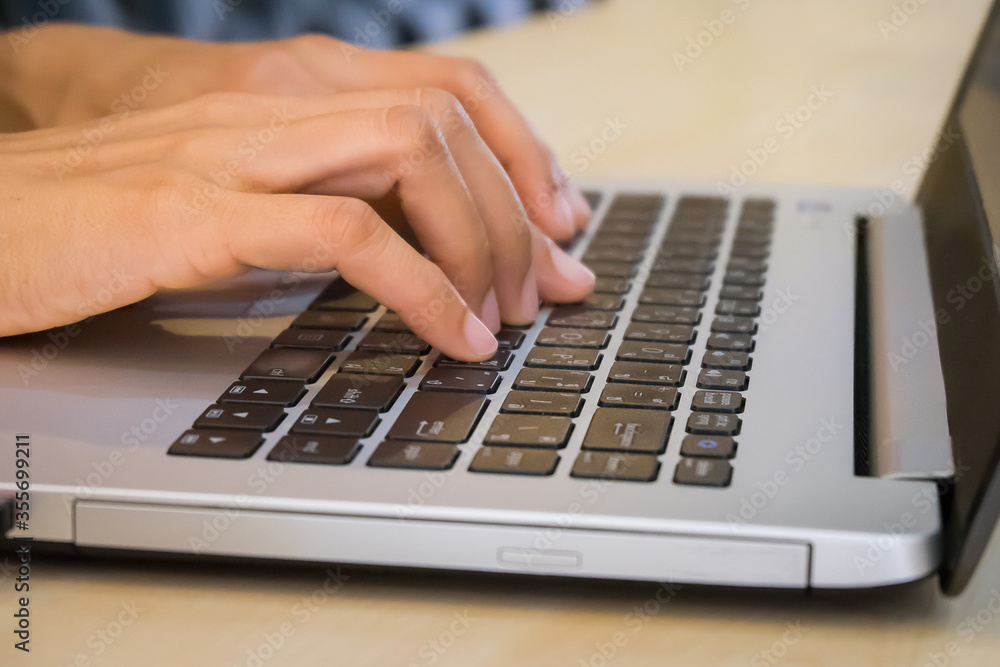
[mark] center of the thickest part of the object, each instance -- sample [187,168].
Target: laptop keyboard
[630,359]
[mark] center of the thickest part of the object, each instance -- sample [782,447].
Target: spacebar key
[438,417]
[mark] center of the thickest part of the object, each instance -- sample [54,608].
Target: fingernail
[564,216]
[529,297]
[569,268]
[491,311]
[479,338]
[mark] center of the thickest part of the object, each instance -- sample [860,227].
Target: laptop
[787,387]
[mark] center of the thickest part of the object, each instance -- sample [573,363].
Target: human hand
[69,74]
[190,193]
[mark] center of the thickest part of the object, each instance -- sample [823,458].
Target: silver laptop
[784,387]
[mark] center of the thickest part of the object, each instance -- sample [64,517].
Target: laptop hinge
[909,436]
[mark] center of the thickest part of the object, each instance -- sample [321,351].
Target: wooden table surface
[573,73]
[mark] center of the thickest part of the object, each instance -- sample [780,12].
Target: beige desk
[612,62]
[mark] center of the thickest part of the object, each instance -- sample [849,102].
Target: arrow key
[272,392]
[216,443]
[337,421]
[249,416]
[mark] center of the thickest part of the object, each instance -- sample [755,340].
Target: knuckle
[471,73]
[345,224]
[445,107]
[262,66]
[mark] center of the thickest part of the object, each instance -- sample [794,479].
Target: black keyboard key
[509,339]
[605,301]
[529,430]
[746,264]
[752,250]
[602,253]
[247,416]
[717,401]
[708,237]
[628,430]
[684,265]
[741,292]
[414,455]
[226,444]
[685,281]
[621,395]
[553,379]
[733,324]
[325,339]
[341,295]
[640,373]
[618,240]
[275,392]
[661,353]
[705,423]
[330,319]
[582,317]
[498,362]
[730,360]
[666,314]
[542,403]
[460,379]
[710,447]
[713,378]
[607,285]
[379,363]
[611,269]
[337,421]
[438,417]
[739,307]
[742,277]
[320,449]
[753,236]
[703,472]
[511,461]
[391,321]
[563,337]
[350,390]
[688,250]
[563,357]
[727,341]
[672,297]
[593,198]
[616,466]
[660,333]
[394,343]
[288,364]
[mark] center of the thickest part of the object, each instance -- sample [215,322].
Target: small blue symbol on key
[708,444]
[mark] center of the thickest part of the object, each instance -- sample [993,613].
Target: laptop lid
[960,197]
